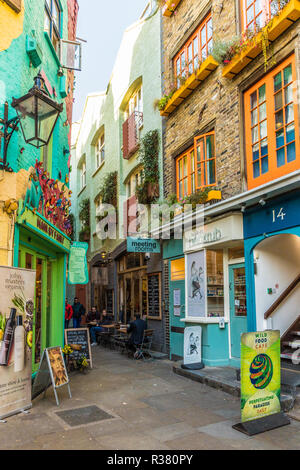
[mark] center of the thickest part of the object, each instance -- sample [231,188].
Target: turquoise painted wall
[16,78]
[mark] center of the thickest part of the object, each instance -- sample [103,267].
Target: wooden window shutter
[14,4]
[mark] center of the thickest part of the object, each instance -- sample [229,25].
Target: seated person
[136,328]
[105,320]
[93,315]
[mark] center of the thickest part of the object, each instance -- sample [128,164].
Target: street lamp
[37,115]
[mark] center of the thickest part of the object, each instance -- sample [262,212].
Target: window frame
[99,149]
[83,176]
[54,29]
[183,53]
[266,13]
[192,170]
[274,171]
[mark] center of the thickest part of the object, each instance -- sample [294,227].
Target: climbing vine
[148,191]
[84,217]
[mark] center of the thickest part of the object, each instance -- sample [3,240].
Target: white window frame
[100,151]
[83,175]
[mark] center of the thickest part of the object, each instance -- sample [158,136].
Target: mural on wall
[196,291]
[50,198]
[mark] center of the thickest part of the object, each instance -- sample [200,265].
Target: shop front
[44,248]
[208,289]
[272,255]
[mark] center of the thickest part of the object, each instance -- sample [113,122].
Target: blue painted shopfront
[215,341]
[278,216]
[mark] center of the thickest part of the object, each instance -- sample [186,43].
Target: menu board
[154,297]
[81,337]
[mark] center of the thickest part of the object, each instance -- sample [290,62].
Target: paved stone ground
[151,408]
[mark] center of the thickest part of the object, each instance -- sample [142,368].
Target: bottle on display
[8,338]
[19,345]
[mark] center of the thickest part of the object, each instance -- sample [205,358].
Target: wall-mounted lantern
[37,115]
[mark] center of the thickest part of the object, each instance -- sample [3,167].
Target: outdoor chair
[144,350]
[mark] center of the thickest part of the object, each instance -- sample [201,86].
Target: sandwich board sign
[53,370]
[192,348]
[260,383]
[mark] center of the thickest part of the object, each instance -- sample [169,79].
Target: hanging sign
[52,369]
[142,245]
[16,320]
[78,269]
[260,374]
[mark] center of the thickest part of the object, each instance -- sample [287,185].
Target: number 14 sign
[278,214]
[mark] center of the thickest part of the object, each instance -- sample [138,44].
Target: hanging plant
[84,217]
[108,190]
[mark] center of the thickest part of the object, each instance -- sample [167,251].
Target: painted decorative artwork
[195,284]
[50,198]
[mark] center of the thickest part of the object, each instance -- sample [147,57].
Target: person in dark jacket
[136,328]
[93,315]
[78,312]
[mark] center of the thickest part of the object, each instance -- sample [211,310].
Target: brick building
[227,129]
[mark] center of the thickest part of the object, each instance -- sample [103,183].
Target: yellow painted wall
[11,24]
[12,186]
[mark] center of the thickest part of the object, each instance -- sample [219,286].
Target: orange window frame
[274,126]
[264,13]
[189,57]
[191,175]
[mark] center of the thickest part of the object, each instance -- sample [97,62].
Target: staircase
[290,342]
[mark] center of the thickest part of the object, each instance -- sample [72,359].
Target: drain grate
[81,416]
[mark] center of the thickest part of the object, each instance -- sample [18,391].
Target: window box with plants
[169,6]
[238,53]
[169,103]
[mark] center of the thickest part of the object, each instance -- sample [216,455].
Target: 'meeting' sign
[140,245]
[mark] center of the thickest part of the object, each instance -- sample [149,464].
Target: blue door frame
[249,246]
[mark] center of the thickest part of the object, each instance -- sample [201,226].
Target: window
[135,104]
[83,176]
[271,125]
[196,168]
[100,151]
[257,13]
[195,51]
[134,180]
[52,22]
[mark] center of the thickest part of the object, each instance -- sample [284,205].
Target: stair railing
[282,297]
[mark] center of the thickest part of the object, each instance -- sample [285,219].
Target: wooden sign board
[154,297]
[81,337]
[52,368]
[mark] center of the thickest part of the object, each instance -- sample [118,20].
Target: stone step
[295,333]
[286,355]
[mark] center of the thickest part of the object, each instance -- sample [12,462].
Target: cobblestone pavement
[149,407]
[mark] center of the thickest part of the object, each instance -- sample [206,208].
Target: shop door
[42,305]
[177,312]
[238,307]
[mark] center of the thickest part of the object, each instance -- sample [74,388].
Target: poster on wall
[192,345]
[196,284]
[16,322]
[78,269]
[260,374]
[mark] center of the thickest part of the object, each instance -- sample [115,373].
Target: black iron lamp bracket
[9,126]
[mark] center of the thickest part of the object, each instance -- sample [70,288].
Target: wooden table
[108,326]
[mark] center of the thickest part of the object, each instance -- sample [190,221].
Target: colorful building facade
[231,125]
[34,193]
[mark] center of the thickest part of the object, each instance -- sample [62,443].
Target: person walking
[68,314]
[78,312]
